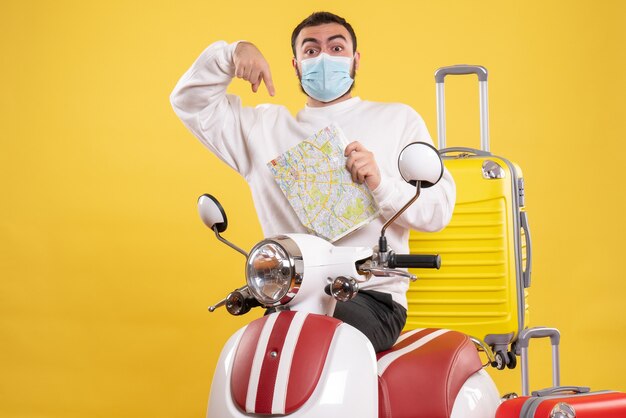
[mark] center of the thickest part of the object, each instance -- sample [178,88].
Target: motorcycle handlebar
[420,261]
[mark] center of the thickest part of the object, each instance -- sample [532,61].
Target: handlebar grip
[420,261]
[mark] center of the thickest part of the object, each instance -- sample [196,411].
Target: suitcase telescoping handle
[521,348]
[481,72]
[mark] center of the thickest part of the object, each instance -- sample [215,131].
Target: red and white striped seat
[421,375]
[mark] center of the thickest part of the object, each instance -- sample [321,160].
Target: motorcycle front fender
[348,384]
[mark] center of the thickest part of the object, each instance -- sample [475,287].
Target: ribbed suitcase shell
[479,289]
[586,405]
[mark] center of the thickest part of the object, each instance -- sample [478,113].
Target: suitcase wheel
[505,359]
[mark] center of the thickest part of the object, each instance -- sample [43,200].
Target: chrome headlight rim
[293,257]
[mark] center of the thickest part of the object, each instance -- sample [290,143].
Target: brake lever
[219,304]
[242,290]
[385,271]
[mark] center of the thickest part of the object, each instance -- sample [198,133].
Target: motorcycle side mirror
[212,213]
[420,165]
[214,216]
[420,162]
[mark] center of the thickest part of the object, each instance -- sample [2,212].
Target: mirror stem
[230,244]
[418,187]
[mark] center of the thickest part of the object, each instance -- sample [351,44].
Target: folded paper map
[314,178]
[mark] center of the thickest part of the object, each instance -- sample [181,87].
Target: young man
[325,61]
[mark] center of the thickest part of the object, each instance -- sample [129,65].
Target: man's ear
[294,64]
[357,59]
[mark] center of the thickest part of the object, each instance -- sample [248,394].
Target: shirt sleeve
[433,210]
[217,119]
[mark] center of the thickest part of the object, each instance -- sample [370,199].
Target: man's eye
[310,51]
[337,49]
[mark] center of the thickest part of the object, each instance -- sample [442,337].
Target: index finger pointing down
[267,79]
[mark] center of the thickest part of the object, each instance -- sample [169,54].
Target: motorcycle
[299,361]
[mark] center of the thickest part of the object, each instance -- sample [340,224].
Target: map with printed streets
[314,178]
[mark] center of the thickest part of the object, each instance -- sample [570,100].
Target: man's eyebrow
[337,37]
[305,40]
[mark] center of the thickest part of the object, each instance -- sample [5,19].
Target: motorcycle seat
[421,375]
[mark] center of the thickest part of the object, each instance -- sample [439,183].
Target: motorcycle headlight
[274,271]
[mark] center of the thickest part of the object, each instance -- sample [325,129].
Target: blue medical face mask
[326,78]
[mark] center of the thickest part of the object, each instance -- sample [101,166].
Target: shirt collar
[332,109]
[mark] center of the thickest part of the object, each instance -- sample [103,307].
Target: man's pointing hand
[251,66]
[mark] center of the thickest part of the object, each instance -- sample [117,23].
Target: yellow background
[105,269]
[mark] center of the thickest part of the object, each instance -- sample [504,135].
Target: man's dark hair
[321,18]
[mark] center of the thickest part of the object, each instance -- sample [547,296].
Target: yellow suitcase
[481,288]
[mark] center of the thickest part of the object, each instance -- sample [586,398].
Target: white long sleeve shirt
[247,138]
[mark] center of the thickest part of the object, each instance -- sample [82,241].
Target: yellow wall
[105,269]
